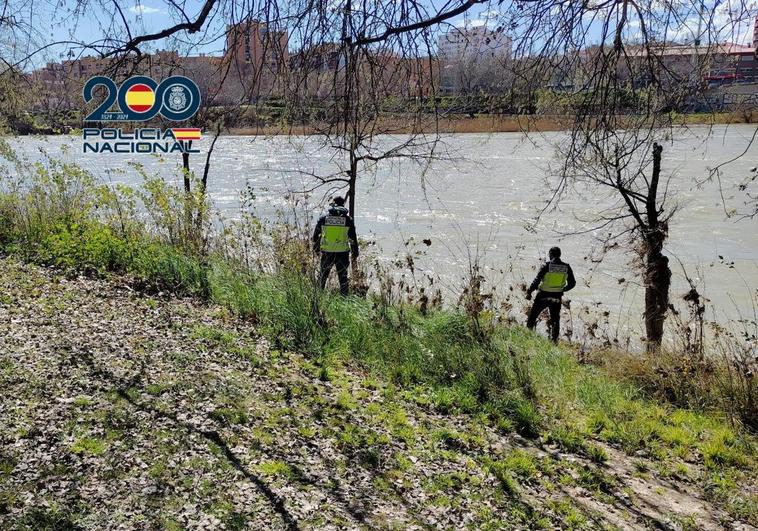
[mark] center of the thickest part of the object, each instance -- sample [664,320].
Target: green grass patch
[275,468]
[214,336]
[231,415]
[88,446]
[521,463]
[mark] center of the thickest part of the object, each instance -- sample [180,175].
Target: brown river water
[482,200]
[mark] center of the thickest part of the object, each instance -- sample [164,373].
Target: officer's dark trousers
[341,261]
[551,301]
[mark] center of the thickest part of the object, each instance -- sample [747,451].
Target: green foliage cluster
[567,103]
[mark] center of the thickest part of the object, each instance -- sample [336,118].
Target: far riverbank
[483,123]
[458,123]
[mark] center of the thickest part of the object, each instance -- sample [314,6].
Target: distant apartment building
[742,65]
[259,51]
[473,59]
[324,57]
[477,42]
[316,70]
[738,66]
[712,64]
[59,85]
[708,64]
[257,43]
[254,64]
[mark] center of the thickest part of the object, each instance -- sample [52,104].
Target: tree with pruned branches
[618,88]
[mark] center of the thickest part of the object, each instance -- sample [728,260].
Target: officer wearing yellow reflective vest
[553,279]
[334,237]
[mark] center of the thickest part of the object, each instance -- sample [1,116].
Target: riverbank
[192,383]
[483,123]
[446,123]
[125,408]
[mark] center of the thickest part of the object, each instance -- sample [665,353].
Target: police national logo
[138,99]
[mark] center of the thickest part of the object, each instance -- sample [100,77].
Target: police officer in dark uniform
[334,237]
[553,280]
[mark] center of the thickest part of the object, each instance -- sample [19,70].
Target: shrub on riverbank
[59,215]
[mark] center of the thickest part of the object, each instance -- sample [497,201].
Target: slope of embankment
[125,409]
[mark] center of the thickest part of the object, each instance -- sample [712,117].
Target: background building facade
[473,59]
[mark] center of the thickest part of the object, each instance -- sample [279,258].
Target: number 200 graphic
[139,98]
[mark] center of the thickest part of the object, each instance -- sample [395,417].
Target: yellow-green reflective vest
[334,237]
[555,279]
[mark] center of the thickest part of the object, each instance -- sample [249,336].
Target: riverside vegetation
[166,371]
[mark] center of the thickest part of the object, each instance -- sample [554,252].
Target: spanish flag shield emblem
[140,98]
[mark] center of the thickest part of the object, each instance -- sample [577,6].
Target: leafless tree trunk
[186,171]
[657,271]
